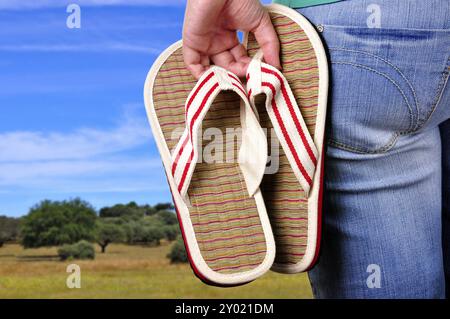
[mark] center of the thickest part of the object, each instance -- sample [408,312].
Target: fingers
[235,60]
[196,63]
[268,41]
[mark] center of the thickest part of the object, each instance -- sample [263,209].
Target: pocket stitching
[380,150]
[438,95]
[416,100]
[395,136]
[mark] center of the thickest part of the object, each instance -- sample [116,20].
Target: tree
[171,232]
[54,223]
[167,218]
[164,206]
[134,231]
[9,229]
[130,211]
[107,233]
[153,235]
[178,252]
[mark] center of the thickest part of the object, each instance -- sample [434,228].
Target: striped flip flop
[293,109]
[214,153]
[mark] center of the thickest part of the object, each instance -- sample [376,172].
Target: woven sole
[227,233]
[295,218]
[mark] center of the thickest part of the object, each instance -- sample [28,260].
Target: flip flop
[295,109]
[220,208]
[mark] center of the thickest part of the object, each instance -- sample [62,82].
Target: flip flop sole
[296,219]
[227,233]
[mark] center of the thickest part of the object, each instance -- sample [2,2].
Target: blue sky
[72,120]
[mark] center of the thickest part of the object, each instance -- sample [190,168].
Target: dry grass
[126,272]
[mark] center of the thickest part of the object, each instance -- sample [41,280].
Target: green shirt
[303,3]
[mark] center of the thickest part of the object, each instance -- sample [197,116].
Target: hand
[209,35]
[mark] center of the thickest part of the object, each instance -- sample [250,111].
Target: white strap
[253,152]
[286,119]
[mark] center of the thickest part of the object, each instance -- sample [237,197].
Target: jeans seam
[396,134]
[358,150]
[365,67]
[438,95]
[413,90]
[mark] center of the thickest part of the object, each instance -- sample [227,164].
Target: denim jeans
[386,230]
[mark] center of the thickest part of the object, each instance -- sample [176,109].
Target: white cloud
[80,144]
[37,4]
[85,160]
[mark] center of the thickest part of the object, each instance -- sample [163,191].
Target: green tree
[134,232]
[171,232]
[54,223]
[153,235]
[129,211]
[167,218]
[107,233]
[9,229]
[164,206]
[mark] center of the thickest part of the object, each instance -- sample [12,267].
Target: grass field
[126,272]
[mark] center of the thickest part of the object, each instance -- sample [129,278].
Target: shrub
[171,232]
[178,252]
[167,218]
[80,250]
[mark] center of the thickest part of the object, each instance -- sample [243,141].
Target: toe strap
[252,155]
[286,119]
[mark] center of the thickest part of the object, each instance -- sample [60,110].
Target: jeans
[386,231]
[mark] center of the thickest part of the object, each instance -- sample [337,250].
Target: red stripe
[235,267]
[235,210]
[219,193]
[290,235]
[293,114]
[177,158]
[173,69]
[194,118]
[236,256]
[300,60]
[191,99]
[239,88]
[223,202]
[197,90]
[234,77]
[171,92]
[172,123]
[226,220]
[289,218]
[226,229]
[286,135]
[234,246]
[228,238]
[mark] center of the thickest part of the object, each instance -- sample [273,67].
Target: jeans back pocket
[372,98]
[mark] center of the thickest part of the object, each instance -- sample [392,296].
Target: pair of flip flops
[215,137]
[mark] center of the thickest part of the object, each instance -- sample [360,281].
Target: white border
[313,200]
[183,211]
